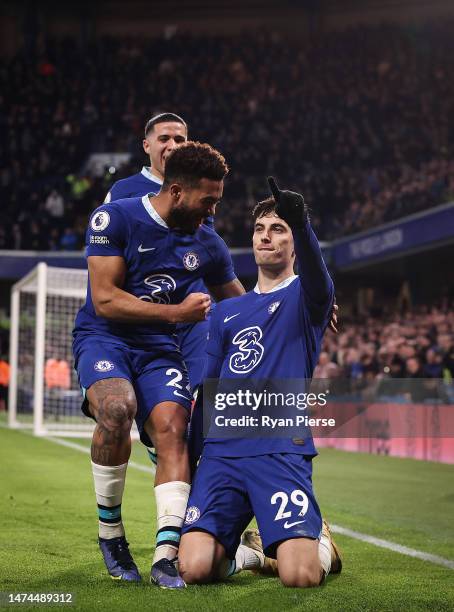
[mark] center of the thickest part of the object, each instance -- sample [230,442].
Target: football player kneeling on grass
[274,331]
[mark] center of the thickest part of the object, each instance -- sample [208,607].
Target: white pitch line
[398,548]
[357,535]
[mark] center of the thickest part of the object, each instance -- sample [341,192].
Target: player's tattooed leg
[113,404]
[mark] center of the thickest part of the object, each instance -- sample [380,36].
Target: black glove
[290,206]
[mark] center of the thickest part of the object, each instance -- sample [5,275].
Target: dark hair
[264,208]
[163,118]
[193,161]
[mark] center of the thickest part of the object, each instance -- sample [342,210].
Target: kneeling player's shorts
[155,376]
[228,491]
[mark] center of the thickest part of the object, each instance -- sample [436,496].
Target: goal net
[44,392]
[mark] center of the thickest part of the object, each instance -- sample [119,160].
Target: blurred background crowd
[416,344]
[359,120]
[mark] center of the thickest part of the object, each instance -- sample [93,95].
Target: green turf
[48,535]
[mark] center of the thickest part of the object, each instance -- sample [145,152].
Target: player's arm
[233,288]
[107,276]
[107,237]
[315,279]
[221,280]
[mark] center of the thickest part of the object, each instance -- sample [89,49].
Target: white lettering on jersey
[161,286]
[99,240]
[250,351]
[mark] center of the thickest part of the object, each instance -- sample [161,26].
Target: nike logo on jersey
[182,395]
[231,317]
[287,525]
[142,250]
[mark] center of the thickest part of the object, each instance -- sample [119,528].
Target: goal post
[44,393]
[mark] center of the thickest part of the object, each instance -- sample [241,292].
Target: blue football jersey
[274,335]
[162,265]
[133,186]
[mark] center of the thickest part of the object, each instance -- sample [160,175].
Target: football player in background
[163,133]
[144,255]
[274,331]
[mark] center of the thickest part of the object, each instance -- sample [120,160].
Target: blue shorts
[155,376]
[192,339]
[228,491]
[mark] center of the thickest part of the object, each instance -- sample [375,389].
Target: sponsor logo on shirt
[191,261]
[100,221]
[104,366]
[99,240]
[250,351]
[161,286]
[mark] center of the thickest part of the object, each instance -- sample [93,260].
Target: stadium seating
[359,121]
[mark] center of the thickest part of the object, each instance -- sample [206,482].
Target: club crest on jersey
[273,307]
[100,221]
[161,286]
[191,261]
[192,515]
[104,366]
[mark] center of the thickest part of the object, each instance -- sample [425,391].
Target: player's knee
[169,428]
[118,413]
[300,576]
[196,570]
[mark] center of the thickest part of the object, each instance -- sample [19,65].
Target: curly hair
[193,161]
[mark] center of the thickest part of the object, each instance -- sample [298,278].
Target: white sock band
[109,486]
[246,558]
[324,553]
[171,501]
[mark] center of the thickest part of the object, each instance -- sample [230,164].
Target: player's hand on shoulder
[290,205]
[195,307]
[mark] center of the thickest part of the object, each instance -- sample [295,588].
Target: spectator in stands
[433,368]
[69,241]
[55,205]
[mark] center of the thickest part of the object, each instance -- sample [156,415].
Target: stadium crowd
[417,344]
[359,121]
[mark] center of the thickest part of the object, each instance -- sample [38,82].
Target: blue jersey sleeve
[222,272]
[316,282]
[107,232]
[116,192]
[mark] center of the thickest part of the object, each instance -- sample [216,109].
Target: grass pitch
[49,530]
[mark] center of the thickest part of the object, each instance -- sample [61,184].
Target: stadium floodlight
[44,393]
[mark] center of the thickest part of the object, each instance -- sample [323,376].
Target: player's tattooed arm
[231,289]
[107,276]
